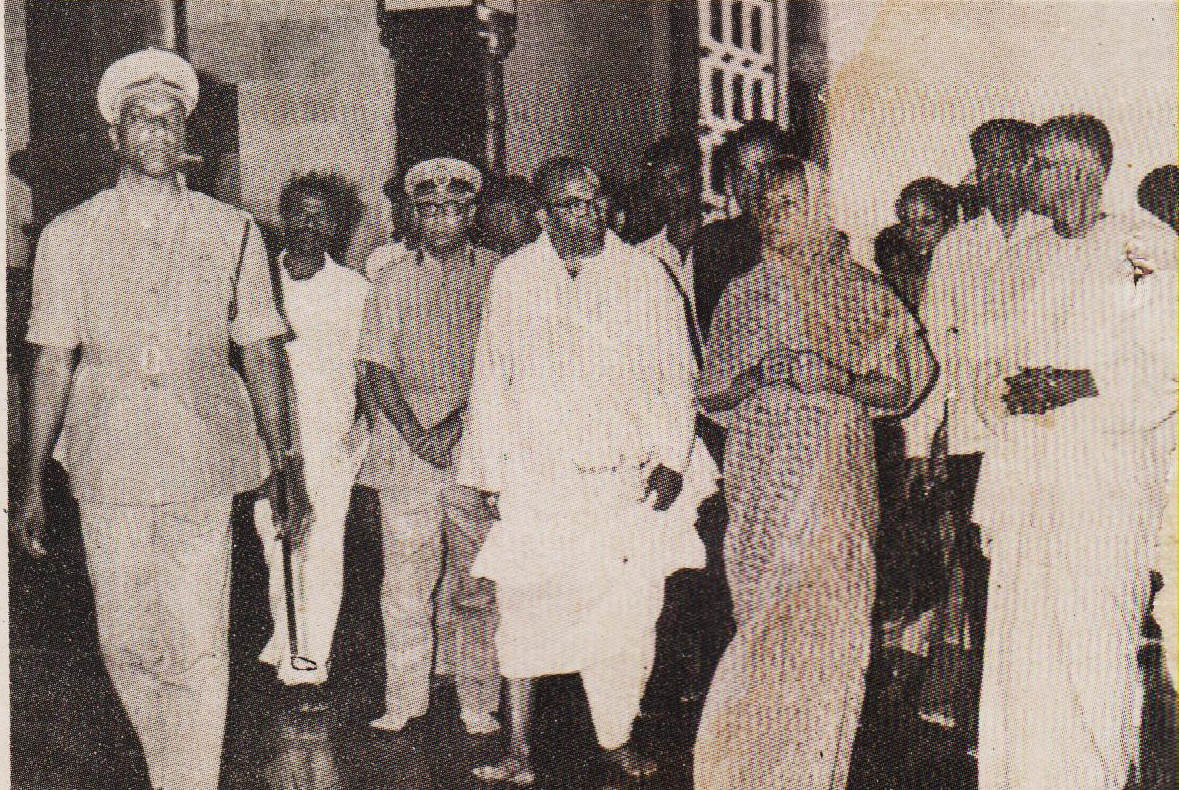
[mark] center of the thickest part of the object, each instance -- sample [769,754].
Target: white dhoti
[317,570]
[580,588]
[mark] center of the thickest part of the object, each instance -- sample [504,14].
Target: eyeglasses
[453,208]
[575,205]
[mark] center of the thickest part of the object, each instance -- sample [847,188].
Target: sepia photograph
[592,394]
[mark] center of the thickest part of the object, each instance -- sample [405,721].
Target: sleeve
[669,423]
[379,325]
[900,328]
[1137,387]
[55,317]
[481,453]
[256,316]
[735,344]
[937,322]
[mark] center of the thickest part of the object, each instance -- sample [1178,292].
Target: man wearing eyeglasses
[1073,490]
[416,347]
[580,439]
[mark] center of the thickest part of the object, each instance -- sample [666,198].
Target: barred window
[742,73]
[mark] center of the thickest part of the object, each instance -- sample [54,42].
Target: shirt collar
[328,263]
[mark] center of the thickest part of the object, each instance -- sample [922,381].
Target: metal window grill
[742,55]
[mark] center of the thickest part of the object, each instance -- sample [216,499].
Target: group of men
[524,409]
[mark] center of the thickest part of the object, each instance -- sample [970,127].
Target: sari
[800,482]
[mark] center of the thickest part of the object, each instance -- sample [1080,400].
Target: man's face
[150,135]
[574,216]
[443,225]
[922,225]
[675,186]
[1000,167]
[781,213]
[746,176]
[308,225]
[506,227]
[1062,175]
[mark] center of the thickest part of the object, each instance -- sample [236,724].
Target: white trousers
[318,572]
[161,592]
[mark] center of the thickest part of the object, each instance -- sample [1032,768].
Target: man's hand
[478,506]
[666,484]
[27,526]
[1040,390]
[300,515]
[437,444]
[286,488]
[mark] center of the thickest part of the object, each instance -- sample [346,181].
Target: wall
[315,91]
[590,78]
[916,77]
[18,200]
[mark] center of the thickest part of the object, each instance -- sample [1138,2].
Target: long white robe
[582,386]
[1068,503]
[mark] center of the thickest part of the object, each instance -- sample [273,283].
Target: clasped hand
[807,371]
[1040,390]
[436,445]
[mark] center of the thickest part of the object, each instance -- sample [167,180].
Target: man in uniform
[323,301]
[137,295]
[417,345]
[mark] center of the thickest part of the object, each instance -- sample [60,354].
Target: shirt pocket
[202,296]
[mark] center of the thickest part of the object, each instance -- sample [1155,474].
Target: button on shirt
[976,277]
[421,322]
[156,415]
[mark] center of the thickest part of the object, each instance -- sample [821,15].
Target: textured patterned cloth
[800,482]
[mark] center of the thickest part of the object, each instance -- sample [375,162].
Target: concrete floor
[69,733]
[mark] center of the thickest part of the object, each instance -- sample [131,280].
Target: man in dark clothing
[728,248]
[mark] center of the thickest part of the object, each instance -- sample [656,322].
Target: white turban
[149,70]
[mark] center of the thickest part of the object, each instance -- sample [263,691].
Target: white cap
[443,178]
[146,71]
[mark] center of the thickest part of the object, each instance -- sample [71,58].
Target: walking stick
[299,663]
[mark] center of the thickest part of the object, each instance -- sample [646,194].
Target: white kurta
[975,278]
[1068,503]
[324,312]
[582,386]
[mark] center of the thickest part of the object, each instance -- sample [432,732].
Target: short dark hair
[1002,129]
[757,131]
[1159,191]
[942,197]
[559,170]
[1088,130]
[784,168]
[340,194]
[681,148]
[508,189]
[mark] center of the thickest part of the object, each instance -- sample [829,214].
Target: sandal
[513,770]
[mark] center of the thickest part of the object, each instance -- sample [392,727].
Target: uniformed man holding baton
[137,295]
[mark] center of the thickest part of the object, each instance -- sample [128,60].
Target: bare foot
[633,764]
[513,770]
